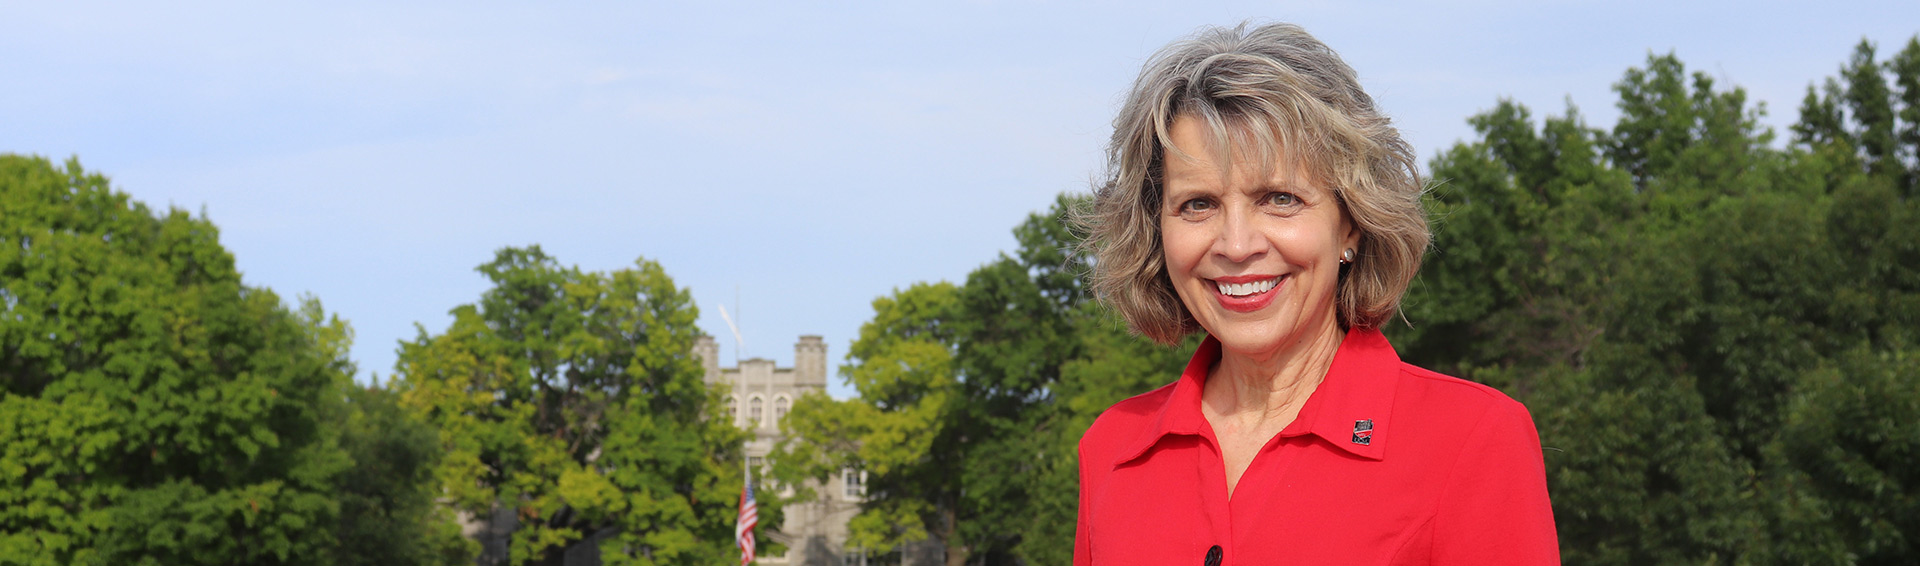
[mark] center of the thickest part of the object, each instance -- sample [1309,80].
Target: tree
[1871,105]
[1680,421]
[1859,121]
[1538,235]
[1112,364]
[972,401]
[1016,327]
[899,431]
[1906,76]
[387,510]
[1854,437]
[573,399]
[1525,229]
[153,408]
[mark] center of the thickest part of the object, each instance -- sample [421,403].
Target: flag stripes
[749,517]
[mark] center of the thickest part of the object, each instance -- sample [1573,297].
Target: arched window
[754,412]
[733,407]
[779,409]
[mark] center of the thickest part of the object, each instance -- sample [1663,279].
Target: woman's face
[1256,260]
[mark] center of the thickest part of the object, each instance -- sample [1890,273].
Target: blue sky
[801,160]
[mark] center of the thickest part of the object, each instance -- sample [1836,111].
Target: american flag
[749,516]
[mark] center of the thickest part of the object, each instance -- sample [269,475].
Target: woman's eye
[1283,199]
[1196,205]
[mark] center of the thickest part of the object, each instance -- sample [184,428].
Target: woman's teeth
[1244,289]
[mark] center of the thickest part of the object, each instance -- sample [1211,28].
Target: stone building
[814,533]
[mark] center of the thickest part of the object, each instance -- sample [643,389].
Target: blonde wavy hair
[1274,94]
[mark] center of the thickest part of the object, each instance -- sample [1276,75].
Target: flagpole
[748,513]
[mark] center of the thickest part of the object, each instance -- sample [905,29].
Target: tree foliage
[154,409]
[573,399]
[388,508]
[1677,336]
[899,431]
[972,401]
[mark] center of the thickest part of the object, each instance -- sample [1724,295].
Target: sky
[790,161]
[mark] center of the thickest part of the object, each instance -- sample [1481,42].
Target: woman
[1255,193]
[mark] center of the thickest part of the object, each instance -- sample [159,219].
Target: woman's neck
[1266,392]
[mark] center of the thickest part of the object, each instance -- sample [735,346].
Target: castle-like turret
[810,362]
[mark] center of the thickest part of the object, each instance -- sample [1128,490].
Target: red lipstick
[1245,303]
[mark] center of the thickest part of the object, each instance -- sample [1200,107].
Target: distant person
[1255,193]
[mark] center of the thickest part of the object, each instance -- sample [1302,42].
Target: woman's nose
[1239,239]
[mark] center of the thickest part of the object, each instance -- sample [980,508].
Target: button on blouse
[1386,464]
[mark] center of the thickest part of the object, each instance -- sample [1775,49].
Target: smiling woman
[1257,194]
[1254,258]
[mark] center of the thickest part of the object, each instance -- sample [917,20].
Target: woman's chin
[1252,341]
[1263,337]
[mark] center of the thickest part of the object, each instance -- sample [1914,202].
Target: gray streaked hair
[1275,95]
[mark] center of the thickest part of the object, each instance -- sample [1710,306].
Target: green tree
[1112,364]
[1526,225]
[1871,104]
[1663,331]
[1859,121]
[1015,327]
[573,399]
[387,510]
[899,430]
[972,401]
[154,409]
[1538,234]
[1905,67]
[1854,437]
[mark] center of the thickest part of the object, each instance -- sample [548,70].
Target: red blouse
[1386,464]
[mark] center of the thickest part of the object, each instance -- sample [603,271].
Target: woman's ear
[1351,239]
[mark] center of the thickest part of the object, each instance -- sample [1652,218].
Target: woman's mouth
[1245,289]
[1245,293]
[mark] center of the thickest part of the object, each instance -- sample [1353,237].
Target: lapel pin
[1363,432]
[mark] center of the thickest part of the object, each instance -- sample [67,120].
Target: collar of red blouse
[1352,409]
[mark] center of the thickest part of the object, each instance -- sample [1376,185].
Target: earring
[1346,257]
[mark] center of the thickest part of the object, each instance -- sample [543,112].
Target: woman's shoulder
[1476,394]
[1439,402]
[1126,420]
